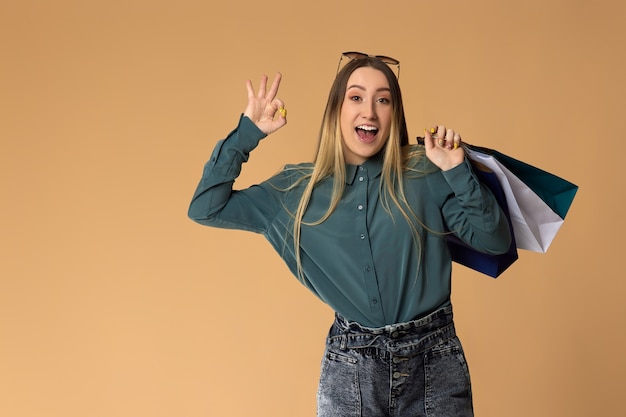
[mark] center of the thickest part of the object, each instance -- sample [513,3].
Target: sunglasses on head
[360,55]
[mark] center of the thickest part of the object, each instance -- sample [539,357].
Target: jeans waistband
[435,320]
[406,338]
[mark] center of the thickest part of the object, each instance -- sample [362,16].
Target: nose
[369,110]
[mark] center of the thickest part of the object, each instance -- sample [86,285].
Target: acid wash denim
[413,369]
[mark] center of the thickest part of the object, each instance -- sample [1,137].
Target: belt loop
[344,341]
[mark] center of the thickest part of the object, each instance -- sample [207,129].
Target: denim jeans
[408,369]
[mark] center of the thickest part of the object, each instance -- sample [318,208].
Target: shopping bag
[537,200]
[555,191]
[492,265]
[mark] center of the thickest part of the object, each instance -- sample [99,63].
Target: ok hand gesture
[262,107]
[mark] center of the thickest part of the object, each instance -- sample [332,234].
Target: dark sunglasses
[360,55]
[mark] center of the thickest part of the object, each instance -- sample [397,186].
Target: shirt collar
[373,167]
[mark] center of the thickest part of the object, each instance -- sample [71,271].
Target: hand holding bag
[534,201]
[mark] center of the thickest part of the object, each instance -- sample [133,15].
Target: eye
[384,100]
[355,98]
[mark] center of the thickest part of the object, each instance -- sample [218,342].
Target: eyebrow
[360,87]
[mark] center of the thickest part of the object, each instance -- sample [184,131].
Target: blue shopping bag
[492,265]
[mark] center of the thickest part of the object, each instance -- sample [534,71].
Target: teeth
[369,128]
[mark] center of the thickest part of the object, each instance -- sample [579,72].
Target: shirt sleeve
[216,204]
[472,213]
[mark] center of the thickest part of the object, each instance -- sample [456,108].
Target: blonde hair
[329,160]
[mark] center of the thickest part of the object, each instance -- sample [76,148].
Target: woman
[364,228]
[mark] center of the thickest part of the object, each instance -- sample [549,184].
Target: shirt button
[362,236]
[360,207]
[361,179]
[368,268]
[374,301]
[360,168]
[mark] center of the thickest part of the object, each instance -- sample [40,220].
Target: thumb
[429,142]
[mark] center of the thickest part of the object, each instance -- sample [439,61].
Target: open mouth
[366,133]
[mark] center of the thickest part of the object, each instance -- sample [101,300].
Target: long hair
[329,160]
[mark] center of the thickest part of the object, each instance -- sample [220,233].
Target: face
[365,115]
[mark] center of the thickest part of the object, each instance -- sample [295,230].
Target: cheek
[344,129]
[345,122]
[387,123]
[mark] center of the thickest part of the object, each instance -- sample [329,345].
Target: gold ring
[282,111]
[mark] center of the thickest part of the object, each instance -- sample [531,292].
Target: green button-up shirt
[362,261]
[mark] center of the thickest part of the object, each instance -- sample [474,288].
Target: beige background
[113,303]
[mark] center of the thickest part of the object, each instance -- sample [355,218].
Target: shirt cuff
[461,178]
[249,132]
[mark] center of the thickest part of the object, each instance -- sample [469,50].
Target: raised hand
[443,147]
[264,109]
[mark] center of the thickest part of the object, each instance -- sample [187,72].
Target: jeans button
[397,359]
[397,375]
